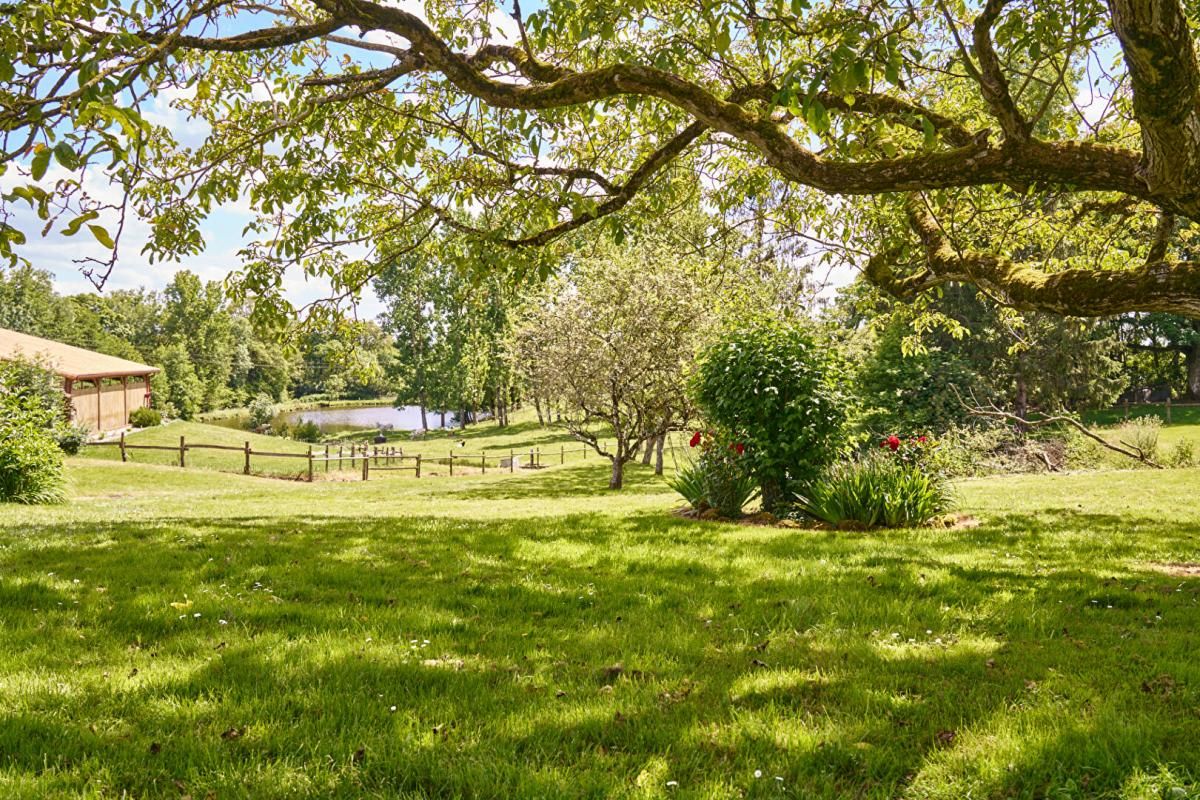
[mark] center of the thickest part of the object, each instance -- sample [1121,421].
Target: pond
[337,420]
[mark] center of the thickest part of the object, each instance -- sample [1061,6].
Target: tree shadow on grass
[569,657]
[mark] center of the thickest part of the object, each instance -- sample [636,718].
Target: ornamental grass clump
[714,475]
[891,488]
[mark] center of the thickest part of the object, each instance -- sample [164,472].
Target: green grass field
[172,633]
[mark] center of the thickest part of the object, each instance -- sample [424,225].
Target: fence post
[418,465]
[123,457]
[538,463]
[562,454]
[483,464]
[246,465]
[310,464]
[366,467]
[339,458]
[451,463]
[327,458]
[532,463]
[182,452]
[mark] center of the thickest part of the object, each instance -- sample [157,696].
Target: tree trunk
[462,420]
[618,473]
[537,404]
[1021,404]
[658,460]
[443,419]
[1193,372]
[424,422]
[649,452]
[772,494]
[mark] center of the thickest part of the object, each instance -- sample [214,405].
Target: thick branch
[1155,286]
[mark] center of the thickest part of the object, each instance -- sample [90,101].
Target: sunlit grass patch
[175,632]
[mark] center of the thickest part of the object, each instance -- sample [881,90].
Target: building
[103,389]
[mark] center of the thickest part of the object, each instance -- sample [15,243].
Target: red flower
[892,443]
[739,447]
[922,439]
[695,440]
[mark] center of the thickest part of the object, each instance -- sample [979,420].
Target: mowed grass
[176,633]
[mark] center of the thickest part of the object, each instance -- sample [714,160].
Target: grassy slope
[1036,655]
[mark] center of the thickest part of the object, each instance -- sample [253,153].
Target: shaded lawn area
[175,633]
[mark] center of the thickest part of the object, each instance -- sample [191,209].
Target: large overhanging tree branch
[337,117]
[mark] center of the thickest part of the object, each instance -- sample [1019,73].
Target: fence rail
[366,459]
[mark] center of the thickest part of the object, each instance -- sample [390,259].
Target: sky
[222,230]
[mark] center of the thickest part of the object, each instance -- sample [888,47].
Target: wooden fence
[365,459]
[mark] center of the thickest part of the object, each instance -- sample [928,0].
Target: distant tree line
[210,355]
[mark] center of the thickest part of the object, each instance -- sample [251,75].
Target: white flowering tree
[613,345]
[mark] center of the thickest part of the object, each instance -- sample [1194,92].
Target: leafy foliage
[145,417]
[31,462]
[1142,433]
[261,411]
[716,477]
[774,386]
[878,490]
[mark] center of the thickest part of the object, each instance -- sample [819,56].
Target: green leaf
[723,40]
[929,131]
[75,224]
[101,235]
[64,154]
[41,160]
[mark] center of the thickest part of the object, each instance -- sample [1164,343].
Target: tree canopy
[1047,152]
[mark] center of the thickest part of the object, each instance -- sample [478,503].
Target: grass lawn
[173,633]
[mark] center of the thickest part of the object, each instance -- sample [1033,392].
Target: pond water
[337,420]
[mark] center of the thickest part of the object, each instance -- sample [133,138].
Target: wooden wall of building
[105,405]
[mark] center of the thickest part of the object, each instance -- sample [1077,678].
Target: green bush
[31,462]
[145,417]
[306,431]
[877,491]
[261,411]
[1183,454]
[775,388]
[71,438]
[716,478]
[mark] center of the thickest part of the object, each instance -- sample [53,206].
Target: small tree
[774,387]
[613,347]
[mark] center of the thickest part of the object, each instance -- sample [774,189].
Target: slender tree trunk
[618,473]
[1021,404]
[424,422]
[537,404]
[658,460]
[649,452]
[462,420]
[1193,372]
[772,494]
[443,419]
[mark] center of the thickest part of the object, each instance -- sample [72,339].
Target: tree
[908,369]
[1155,338]
[612,346]
[345,120]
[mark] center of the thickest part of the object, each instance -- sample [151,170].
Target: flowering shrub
[775,386]
[714,475]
